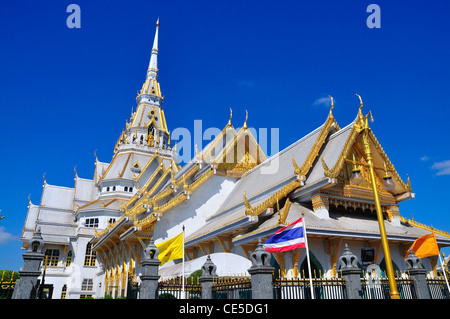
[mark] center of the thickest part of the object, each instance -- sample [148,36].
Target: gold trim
[423,226]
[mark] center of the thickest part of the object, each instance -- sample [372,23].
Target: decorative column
[26,287]
[207,278]
[261,273]
[351,274]
[393,213]
[321,205]
[418,275]
[150,276]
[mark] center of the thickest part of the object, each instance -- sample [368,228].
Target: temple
[228,197]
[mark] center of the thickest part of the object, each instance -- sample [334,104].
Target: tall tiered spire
[147,126]
[152,71]
[151,92]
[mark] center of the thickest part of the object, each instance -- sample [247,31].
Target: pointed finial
[157,23]
[43,176]
[408,184]
[246,118]
[75,170]
[297,169]
[231,116]
[360,102]
[95,152]
[326,170]
[248,207]
[332,104]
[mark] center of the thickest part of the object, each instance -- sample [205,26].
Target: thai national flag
[287,238]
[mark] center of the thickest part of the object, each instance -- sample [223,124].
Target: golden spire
[297,169]
[360,102]
[360,106]
[248,207]
[332,105]
[408,184]
[246,118]
[197,154]
[231,116]
[326,170]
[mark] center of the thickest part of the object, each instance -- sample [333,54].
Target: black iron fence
[378,288]
[232,287]
[300,288]
[240,287]
[7,282]
[173,289]
[438,288]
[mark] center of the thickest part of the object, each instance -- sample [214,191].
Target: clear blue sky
[66,92]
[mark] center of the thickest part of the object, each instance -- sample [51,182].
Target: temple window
[51,257]
[69,258]
[87,284]
[63,292]
[91,222]
[90,256]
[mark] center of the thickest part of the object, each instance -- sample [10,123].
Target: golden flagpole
[364,129]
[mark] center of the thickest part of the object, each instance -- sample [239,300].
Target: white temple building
[227,197]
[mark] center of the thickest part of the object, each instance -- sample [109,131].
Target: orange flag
[425,246]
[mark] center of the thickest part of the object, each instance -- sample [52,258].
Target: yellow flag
[425,246]
[170,249]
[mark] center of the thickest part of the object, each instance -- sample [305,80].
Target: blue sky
[65,93]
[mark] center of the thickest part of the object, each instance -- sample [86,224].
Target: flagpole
[307,256]
[443,270]
[183,296]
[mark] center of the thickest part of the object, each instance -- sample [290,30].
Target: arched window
[316,267]
[107,189]
[126,189]
[114,188]
[384,271]
[131,189]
